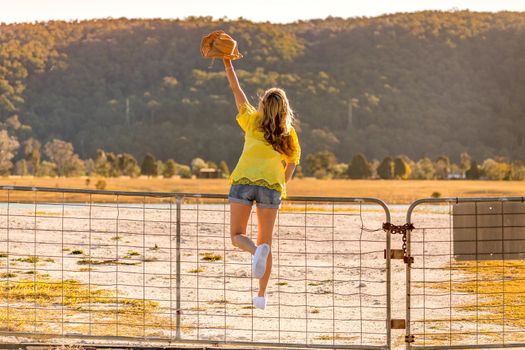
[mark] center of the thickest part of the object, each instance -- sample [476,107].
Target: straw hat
[218,44]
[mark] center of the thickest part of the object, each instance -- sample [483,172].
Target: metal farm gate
[141,268]
[465,274]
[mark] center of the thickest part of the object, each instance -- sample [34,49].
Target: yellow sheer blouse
[259,163]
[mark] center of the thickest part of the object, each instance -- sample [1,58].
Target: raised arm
[240,97]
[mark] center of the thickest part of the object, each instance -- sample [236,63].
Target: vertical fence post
[408,291]
[177,264]
[388,291]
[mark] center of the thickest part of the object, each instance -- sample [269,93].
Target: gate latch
[402,230]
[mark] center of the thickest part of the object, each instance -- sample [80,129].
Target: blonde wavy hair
[276,120]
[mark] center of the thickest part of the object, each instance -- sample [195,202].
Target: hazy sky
[256,10]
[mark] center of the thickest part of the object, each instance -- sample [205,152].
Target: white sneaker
[259,260]
[259,302]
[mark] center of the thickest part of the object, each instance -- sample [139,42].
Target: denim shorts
[247,194]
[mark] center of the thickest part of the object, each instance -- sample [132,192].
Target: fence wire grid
[153,267]
[466,286]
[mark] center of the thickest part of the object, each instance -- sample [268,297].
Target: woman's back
[260,164]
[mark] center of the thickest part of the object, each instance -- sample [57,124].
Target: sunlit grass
[500,297]
[133,253]
[32,259]
[211,257]
[47,213]
[55,299]
[8,275]
[199,270]
[337,337]
[89,261]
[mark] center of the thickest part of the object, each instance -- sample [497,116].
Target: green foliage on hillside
[422,84]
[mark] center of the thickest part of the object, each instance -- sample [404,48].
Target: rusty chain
[401,230]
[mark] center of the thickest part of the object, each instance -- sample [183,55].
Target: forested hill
[421,84]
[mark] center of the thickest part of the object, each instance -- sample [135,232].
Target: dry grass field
[391,191]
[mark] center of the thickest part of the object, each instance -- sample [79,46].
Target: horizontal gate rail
[465,285]
[150,267]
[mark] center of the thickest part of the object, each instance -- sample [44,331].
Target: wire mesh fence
[161,267]
[465,288]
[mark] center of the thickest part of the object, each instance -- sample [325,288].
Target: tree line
[58,158]
[419,84]
[324,165]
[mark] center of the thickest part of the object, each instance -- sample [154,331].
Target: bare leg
[239,216]
[265,220]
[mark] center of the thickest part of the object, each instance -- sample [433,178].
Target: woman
[269,157]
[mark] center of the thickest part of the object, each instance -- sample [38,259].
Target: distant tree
[184,171]
[8,147]
[494,170]
[341,171]
[465,160]
[47,169]
[442,166]
[102,165]
[21,167]
[474,172]
[456,170]
[401,169]
[32,152]
[197,164]
[407,160]
[359,167]
[149,165]
[160,167]
[321,163]
[322,174]
[113,165]
[89,166]
[374,164]
[62,154]
[223,166]
[517,171]
[386,169]
[211,165]
[424,169]
[127,165]
[170,169]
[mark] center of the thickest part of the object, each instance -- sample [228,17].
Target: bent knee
[235,238]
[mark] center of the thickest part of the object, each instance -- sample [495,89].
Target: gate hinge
[397,324]
[409,339]
[408,259]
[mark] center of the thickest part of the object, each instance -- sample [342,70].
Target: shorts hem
[268,206]
[240,201]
